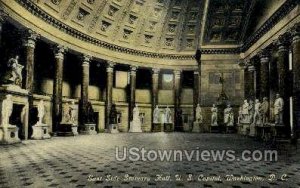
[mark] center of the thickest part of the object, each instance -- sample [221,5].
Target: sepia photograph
[149,93]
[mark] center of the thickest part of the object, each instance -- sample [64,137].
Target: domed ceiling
[163,26]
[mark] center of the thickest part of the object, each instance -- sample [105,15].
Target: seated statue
[228,116]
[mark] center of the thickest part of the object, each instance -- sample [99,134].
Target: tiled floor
[69,161]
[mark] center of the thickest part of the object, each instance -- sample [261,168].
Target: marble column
[133,70]
[177,97]
[251,81]
[29,43]
[154,93]
[85,82]
[59,52]
[282,68]
[109,88]
[264,73]
[196,92]
[296,78]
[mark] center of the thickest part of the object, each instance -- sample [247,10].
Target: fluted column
[59,52]
[29,43]
[177,97]
[109,87]
[296,76]
[133,70]
[264,74]
[85,82]
[252,80]
[155,77]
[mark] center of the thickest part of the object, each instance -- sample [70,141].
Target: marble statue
[199,117]
[6,110]
[251,111]
[257,113]
[16,71]
[245,111]
[168,116]
[228,116]
[214,115]
[135,124]
[66,113]
[73,111]
[278,110]
[265,110]
[41,111]
[156,113]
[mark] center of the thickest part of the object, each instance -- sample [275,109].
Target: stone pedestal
[135,127]
[9,134]
[244,128]
[157,127]
[252,131]
[113,128]
[40,131]
[88,129]
[168,127]
[196,127]
[67,130]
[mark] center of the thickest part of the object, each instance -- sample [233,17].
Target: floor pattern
[88,161]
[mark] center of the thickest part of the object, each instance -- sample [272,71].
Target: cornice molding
[270,23]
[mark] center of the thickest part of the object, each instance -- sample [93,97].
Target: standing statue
[6,110]
[245,111]
[15,71]
[136,113]
[156,113]
[278,110]
[251,111]
[199,117]
[168,117]
[257,113]
[113,115]
[89,113]
[214,115]
[73,113]
[228,116]
[265,110]
[66,113]
[41,111]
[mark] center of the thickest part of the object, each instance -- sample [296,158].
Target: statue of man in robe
[278,110]
[199,117]
[156,113]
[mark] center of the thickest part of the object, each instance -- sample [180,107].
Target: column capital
[264,55]
[86,59]
[110,66]
[242,64]
[3,15]
[282,42]
[196,72]
[155,71]
[295,32]
[59,51]
[133,68]
[30,38]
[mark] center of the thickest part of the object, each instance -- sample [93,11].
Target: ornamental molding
[267,26]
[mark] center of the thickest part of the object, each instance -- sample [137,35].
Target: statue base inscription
[9,134]
[88,129]
[113,128]
[67,130]
[40,131]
